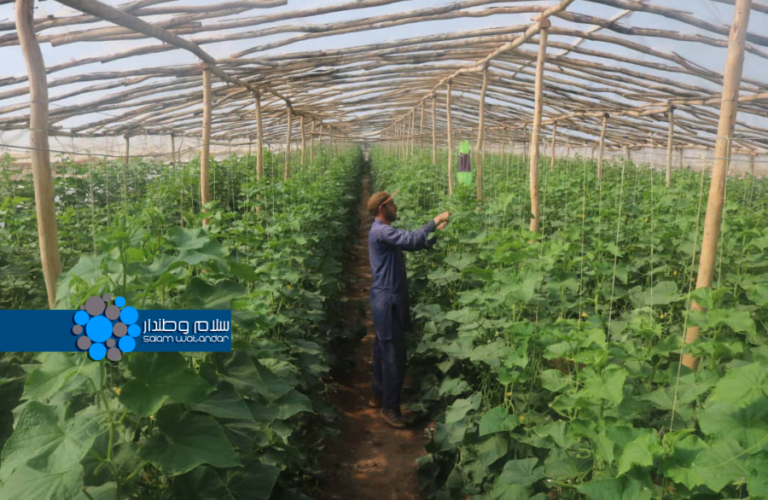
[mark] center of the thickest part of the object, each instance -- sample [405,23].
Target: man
[389,300]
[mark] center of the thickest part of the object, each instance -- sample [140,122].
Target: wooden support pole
[259,137]
[626,152]
[449,135]
[205,154]
[481,135]
[413,130]
[45,211]
[312,144]
[682,164]
[434,132]
[536,128]
[670,139]
[289,118]
[127,158]
[734,65]
[552,148]
[421,129]
[303,143]
[752,164]
[601,147]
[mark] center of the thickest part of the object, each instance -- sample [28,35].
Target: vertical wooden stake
[670,139]
[536,128]
[288,143]
[481,135]
[682,166]
[752,163]
[259,137]
[434,133]
[413,129]
[552,148]
[602,147]
[734,65]
[626,152]
[303,144]
[312,144]
[127,150]
[205,193]
[45,211]
[421,129]
[449,137]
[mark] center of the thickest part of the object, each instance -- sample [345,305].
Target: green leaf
[158,376]
[255,482]
[57,370]
[615,489]
[29,484]
[554,380]
[743,385]
[290,404]
[665,292]
[492,448]
[640,452]
[747,425]
[720,465]
[521,472]
[608,386]
[187,239]
[224,402]
[203,483]
[497,420]
[43,442]
[453,387]
[680,467]
[502,491]
[187,440]
[106,491]
[757,483]
[461,407]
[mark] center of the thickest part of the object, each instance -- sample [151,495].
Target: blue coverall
[389,305]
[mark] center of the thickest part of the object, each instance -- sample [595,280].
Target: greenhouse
[383,250]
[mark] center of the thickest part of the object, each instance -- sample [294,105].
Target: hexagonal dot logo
[106,328]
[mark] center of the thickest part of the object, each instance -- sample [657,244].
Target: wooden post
[449,136]
[434,133]
[670,138]
[259,137]
[752,163]
[413,129]
[312,143]
[45,211]
[601,147]
[552,148]
[205,194]
[481,135]
[421,129]
[288,143]
[626,152]
[536,129]
[729,106]
[127,158]
[303,144]
[682,165]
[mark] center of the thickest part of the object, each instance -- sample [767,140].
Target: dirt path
[369,460]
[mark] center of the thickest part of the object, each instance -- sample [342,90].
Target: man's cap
[378,199]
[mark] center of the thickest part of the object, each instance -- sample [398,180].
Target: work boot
[394,418]
[374,402]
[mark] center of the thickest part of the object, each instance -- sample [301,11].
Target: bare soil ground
[369,460]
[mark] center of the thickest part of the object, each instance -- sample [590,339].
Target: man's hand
[442,219]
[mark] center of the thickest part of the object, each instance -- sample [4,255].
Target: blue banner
[111,331]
